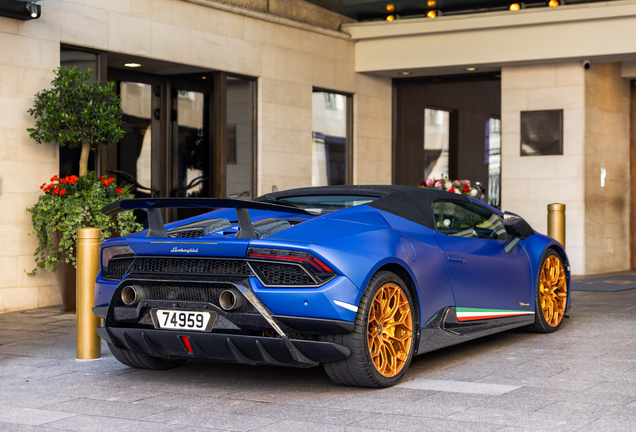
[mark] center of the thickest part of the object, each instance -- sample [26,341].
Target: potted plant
[75,113]
[68,204]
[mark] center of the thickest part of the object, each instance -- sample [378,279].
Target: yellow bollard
[556,222]
[88,342]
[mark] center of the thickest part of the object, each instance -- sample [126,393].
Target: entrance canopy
[489,41]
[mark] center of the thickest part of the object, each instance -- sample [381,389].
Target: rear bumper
[225,347]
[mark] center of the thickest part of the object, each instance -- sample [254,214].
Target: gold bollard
[556,222]
[88,342]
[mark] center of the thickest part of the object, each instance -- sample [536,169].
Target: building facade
[577,61]
[240,98]
[289,56]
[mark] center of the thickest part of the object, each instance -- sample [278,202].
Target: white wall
[596,122]
[530,183]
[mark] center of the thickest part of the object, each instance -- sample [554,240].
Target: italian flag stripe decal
[471,314]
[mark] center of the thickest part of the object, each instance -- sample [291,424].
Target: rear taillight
[321,270]
[290,255]
[114,252]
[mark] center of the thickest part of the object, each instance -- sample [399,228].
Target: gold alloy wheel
[390,330]
[553,290]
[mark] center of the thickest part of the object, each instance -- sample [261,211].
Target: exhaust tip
[131,295]
[231,300]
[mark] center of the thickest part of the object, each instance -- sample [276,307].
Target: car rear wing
[155,220]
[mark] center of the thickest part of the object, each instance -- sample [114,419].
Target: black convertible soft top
[408,202]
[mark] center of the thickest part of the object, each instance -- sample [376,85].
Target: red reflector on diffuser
[186,342]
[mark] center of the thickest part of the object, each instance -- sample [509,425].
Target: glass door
[191,145]
[184,138]
[134,151]
[136,160]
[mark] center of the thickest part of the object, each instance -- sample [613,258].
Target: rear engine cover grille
[190,233]
[204,266]
[283,274]
[190,294]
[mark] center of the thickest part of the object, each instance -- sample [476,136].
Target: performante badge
[191,250]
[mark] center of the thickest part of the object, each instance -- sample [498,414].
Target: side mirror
[511,244]
[516,226]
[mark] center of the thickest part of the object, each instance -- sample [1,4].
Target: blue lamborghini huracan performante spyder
[358,279]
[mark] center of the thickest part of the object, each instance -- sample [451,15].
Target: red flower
[466,189]
[57,190]
[119,190]
[101,177]
[452,190]
[422,183]
[63,191]
[105,182]
[43,184]
[63,181]
[54,178]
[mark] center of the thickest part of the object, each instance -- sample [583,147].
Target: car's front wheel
[382,342]
[143,361]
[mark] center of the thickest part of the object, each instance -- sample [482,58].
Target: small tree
[75,113]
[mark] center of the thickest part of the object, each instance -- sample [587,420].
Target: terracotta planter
[66,281]
[66,278]
[66,274]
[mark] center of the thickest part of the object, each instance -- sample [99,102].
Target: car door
[487,282]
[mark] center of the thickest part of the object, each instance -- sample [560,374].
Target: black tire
[358,369]
[143,361]
[541,325]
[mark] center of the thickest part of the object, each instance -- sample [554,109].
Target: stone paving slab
[458,386]
[581,378]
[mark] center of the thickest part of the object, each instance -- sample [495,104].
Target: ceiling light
[390,7]
[471,69]
[431,14]
[204,77]
[32,9]
[515,7]
[405,73]
[432,3]
[553,3]
[390,18]
[132,65]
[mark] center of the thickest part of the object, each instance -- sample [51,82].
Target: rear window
[327,203]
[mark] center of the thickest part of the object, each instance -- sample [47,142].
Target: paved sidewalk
[582,378]
[608,282]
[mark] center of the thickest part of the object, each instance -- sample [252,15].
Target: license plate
[183,320]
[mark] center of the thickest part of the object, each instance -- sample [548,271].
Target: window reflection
[436,143]
[134,153]
[83,61]
[493,160]
[240,138]
[330,138]
[194,144]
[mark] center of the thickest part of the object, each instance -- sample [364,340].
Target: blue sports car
[358,279]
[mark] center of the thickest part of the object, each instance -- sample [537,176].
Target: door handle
[456,259]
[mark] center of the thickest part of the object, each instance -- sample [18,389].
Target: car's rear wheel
[143,361]
[382,342]
[551,295]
